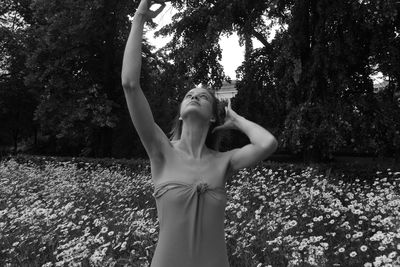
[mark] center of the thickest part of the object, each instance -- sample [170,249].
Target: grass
[73,213]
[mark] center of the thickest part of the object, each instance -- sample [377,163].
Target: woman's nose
[195,97]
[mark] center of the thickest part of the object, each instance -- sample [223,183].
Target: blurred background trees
[311,85]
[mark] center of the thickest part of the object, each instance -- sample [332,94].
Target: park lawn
[75,213]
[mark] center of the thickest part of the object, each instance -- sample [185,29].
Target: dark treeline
[311,86]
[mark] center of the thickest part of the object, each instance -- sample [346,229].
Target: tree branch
[260,37]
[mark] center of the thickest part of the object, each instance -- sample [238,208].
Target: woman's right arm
[151,136]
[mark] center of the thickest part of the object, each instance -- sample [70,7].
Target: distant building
[380,86]
[227,90]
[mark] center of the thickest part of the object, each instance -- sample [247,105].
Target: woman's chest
[213,170]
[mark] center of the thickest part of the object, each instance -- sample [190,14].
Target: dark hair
[213,140]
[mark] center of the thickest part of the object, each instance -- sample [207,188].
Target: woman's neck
[193,137]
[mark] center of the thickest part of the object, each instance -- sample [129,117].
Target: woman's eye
[204,96]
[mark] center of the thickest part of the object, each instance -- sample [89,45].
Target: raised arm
[150,134]
[262,142]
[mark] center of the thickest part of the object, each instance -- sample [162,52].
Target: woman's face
[198,100]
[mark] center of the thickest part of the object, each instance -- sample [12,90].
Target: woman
[189,177]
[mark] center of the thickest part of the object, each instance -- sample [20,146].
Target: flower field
[82,214]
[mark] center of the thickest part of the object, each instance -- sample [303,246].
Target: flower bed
[72,213]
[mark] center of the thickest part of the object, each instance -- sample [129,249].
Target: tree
[17,102]
[322,62]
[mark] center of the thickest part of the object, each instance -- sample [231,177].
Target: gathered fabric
[191,219]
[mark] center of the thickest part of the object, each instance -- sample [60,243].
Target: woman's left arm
[262,145]
[262,142]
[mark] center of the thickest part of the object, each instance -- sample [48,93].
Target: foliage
[323,54]
[72,57]
[55,213]
[17,102]
[61,64]
[73,65]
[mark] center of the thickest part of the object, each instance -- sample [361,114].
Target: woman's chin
[193,114]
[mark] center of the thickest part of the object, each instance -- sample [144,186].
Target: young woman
[189,176]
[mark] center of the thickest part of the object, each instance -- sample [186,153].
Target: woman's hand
[144,8]
[231,118]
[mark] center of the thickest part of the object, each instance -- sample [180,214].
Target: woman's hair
[213,140]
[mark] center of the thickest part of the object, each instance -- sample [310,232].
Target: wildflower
[378,261]
[367,264]
[292,223]
[392,254]
[97,222]
[104,229]
[239,214]
[363,248]
[336,213]
[353,254]
[110,233]
[317,219]
[357,211]
[358,234]
[341,250]
[324,245]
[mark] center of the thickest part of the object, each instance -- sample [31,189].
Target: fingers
[216,129]
[161,2]
[145,5]
[160,9]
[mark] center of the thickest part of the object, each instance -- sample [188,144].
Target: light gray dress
[191,219]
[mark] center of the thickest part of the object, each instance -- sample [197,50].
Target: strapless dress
[191,220]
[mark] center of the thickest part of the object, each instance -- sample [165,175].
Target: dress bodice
[191,218]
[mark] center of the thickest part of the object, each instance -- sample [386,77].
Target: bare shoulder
[228,155]
[224,159]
